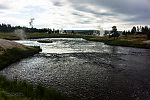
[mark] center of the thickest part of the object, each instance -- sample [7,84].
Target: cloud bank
[76,14]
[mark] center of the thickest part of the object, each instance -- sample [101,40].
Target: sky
[76,14]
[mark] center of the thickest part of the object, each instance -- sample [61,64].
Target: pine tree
[133,31]
[115,32]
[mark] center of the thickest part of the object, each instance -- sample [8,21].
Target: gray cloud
[77,14]
[2,7]
[82,12]
[84,22]
[1,12]
[57,3]
[139,19]
[140,9]
[88,10]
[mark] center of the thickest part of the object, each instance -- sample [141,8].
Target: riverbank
[11,52]
[137,41]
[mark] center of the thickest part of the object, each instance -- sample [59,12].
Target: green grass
[7,96]
[12,36]
[26,91]
[46,35]
[12,55]
[9,36]
[45,41]
[126,43]
[1,49]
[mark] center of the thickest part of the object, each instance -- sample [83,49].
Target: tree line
[141,30]
[6,28]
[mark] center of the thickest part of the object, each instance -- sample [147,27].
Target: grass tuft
[26,90]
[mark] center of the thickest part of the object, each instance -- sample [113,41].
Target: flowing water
[87,70]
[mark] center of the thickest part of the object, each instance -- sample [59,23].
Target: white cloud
[69,14]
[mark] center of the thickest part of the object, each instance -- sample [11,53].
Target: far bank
[137,41]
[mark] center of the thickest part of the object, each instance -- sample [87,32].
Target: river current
[86,70]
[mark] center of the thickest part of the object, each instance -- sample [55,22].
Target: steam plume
[31,22]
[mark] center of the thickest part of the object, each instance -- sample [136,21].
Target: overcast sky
[76,14]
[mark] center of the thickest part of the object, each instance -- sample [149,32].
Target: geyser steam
[20,33]
[31,22]
[99,32]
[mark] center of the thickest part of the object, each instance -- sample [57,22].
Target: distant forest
[141,30]
[137,30]
[6,28]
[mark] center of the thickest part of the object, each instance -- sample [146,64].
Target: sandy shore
[147,42]
[7,44]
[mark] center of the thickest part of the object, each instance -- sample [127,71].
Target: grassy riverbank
[21,90]
[10,56]
[129,41]
[13,36]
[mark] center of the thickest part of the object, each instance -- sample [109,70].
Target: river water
[87,70]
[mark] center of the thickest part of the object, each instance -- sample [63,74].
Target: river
[87,70]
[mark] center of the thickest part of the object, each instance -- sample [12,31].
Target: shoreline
[123,43]
[130,41]
[118,42]
[11,52]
